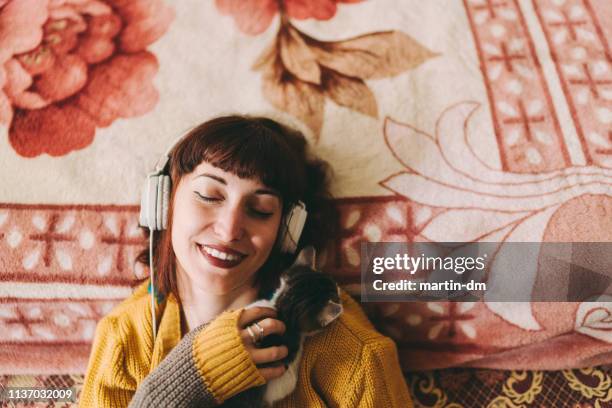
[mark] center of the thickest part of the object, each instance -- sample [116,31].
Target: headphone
[154,204]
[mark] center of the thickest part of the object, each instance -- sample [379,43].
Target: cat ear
[307,257]
[261,303]
[330,312]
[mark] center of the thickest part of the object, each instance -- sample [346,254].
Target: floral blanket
[444,120]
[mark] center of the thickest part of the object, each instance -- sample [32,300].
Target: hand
[265,317]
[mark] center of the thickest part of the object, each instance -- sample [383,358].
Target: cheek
[186,221]
[179,237]
[179,223]
[266,237]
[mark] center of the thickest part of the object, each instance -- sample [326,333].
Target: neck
[200,306]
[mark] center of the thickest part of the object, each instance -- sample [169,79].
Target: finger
[270,326]
[253,314]
[270,373]
[268,354]
[246,337]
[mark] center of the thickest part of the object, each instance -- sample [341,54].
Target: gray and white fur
[306,301]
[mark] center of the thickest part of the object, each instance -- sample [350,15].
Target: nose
[229,225]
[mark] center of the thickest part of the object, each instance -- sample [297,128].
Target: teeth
[221,255]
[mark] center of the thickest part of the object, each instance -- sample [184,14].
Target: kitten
[306,301]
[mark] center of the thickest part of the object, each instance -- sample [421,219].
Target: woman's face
[223,228]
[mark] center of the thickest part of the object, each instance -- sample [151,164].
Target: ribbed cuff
[222,360]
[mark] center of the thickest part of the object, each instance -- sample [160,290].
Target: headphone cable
[152,274]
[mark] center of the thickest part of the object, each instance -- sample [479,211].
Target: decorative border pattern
[97,244]
[73,244]
[57,322]
[583,62]
[525,122]
[375,219]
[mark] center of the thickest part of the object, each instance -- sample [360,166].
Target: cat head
[308,298]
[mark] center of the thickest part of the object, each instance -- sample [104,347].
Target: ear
[330,313]
[307,257]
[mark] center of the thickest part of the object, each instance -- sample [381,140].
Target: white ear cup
[154,202]
[159,202]
[293,224]
[165,200]
[148,202]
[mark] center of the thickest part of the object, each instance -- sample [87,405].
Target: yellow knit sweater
[349,364]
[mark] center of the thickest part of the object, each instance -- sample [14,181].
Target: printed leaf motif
[287,93]
[350,92]
[300,71]
[371,56]
[297,57]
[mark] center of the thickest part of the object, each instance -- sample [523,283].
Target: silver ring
[255,341]
[261,332]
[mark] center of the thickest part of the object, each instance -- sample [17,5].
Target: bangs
[251,150]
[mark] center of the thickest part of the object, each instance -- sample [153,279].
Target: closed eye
[254,212]
[261,214]
[206,199]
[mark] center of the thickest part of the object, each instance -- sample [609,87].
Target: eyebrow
[222,181]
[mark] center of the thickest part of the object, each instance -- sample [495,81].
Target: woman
[233,179]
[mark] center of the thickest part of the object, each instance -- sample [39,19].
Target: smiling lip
[224,249]
[222,263]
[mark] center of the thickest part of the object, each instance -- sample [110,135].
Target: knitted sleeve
[207,367]
[106,384]
[379,382]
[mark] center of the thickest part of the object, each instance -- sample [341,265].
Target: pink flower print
[254,16]
[70,66]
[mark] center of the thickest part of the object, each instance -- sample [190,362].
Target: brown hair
[251,147]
